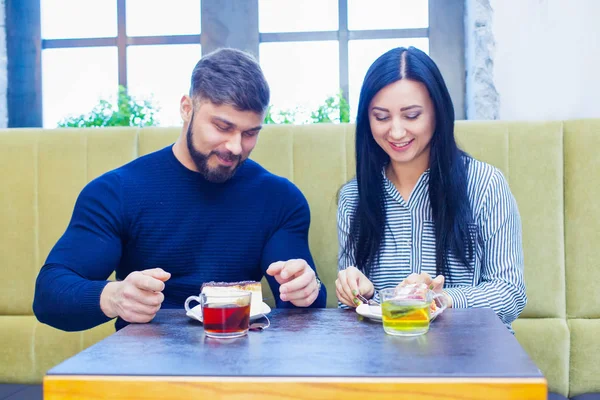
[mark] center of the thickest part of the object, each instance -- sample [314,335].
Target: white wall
[3,110]
[547,58]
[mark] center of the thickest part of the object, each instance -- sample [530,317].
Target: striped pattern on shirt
[496,279]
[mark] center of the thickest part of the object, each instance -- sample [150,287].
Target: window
[148,46]
[387,14]
[68,89]
[58,23]
[160,17]
[297,16]
[301,74]
[300,71]
[309,49]
[149,76]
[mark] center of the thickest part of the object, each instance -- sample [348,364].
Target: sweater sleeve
[290,241]
[68,287]
[501,285]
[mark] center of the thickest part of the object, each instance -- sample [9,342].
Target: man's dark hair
[230,76]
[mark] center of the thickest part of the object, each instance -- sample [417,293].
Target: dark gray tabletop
[464,343]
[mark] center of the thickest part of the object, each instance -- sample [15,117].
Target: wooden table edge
[219,387]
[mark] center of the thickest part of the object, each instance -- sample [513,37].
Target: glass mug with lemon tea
[408,310]
[225,314]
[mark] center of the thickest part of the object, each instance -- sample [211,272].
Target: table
[305,354]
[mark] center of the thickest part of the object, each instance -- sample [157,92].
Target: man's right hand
[137,298]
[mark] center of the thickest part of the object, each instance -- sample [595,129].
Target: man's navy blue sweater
[154,212]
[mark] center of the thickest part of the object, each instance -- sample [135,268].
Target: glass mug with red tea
[225,314]
[408,310]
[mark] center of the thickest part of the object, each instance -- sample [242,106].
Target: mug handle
[189,300]
[443,302]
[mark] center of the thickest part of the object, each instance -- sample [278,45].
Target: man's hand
[298,282]
[137,298]
[350,282]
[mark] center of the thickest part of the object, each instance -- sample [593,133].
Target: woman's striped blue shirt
[408,246]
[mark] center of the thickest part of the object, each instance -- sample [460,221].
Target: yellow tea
[405,317]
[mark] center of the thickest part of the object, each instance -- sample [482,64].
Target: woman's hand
[436,284]
[351,282]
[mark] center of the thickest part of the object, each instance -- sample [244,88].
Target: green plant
[282,116]
[128,111]
[335,109]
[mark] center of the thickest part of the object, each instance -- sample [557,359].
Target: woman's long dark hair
[447,167]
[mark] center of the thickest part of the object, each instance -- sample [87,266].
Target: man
[193,212]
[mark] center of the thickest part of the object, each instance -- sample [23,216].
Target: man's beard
[219,174]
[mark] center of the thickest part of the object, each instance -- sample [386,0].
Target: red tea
[226,318]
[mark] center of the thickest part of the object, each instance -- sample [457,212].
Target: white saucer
[196,313]
[371,312]
[374,312]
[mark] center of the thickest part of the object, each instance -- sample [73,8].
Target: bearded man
[196,211]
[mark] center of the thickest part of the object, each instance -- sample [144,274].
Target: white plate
[196,313]
[374,312]
[371,312]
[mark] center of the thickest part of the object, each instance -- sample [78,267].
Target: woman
[420,207]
